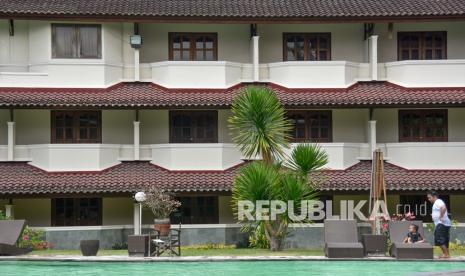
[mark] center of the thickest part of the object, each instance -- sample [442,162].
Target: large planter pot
[89,247]
[162,226]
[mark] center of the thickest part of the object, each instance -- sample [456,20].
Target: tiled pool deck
[119,258]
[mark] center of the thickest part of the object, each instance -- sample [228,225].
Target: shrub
[120,246]
[33,239]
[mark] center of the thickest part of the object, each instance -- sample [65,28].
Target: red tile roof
[129,177]
[397,178]
[149,95]
[234,9]
[21,178]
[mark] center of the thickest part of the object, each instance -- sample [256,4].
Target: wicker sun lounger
[10,232]
[398,231]
[341,239]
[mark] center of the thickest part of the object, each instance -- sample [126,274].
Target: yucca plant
[259,127]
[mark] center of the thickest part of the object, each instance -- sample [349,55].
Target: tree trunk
[276,243]
[276,233]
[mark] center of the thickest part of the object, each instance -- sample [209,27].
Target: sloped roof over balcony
[149,95]
[246,10]
[130,177]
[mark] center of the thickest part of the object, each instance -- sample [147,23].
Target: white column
[372,137]
[10,211]
[373,55]
[136,65]
[255,58]
[137,221]
[136,140]
[11,141]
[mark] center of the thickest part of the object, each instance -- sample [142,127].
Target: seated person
[413,236]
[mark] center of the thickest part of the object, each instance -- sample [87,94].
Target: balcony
[425,73]
[200,74]
[196,156]
[424,156]
[315,74]
[62,73]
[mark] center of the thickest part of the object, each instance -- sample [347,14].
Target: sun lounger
[398,231]
[10,232]
[341,239]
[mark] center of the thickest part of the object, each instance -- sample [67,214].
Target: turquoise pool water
[281,268]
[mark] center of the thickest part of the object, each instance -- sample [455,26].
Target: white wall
[4,118]
[388,47]
[14,50]
[346,40]
[36,211]
[117,126]
[154,126]
[225,210]
[233,40]
[117,211]
[32,126]
[349,125]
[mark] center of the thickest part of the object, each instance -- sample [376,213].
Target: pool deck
[119,258]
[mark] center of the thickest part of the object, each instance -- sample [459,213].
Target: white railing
[209,156]
[200,74]
[423,156]
[426,73]
[314,74]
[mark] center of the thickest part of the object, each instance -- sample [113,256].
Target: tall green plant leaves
[306,158]
[258,123]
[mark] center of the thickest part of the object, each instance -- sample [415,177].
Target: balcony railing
[222,156]
[200,74]
[425,73]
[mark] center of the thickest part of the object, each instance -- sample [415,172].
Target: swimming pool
[226,268]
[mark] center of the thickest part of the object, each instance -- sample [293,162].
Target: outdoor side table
[138,245]
[374,244]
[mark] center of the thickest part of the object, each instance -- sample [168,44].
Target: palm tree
[260,128]
[258,123]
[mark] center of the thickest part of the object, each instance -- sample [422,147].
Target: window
[429,125]
[76,127]
[307,46]
[313,126]
[76,41]
[197,210]
[193,46]
[419,206]
[194,126]
[421,45]
[76,211]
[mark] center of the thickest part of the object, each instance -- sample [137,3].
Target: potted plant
[162,205]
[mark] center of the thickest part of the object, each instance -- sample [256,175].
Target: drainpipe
[11,137]
[255,52]
[373,55]
[137,137]
[371,133]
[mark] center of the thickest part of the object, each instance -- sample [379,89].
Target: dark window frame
[308,114]
[307,37]
[192,49]
[76,207]
[76,28]
[76,127]
[190,205]
[193,114]
[421,47]
[422,114]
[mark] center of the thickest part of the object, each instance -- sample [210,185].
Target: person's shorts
[442,235]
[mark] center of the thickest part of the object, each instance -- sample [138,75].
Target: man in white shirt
[442,223]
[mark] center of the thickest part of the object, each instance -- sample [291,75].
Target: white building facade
[87,120]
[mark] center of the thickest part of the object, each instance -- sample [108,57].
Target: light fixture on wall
[135,41]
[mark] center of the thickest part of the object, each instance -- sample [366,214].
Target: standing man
[441,222]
